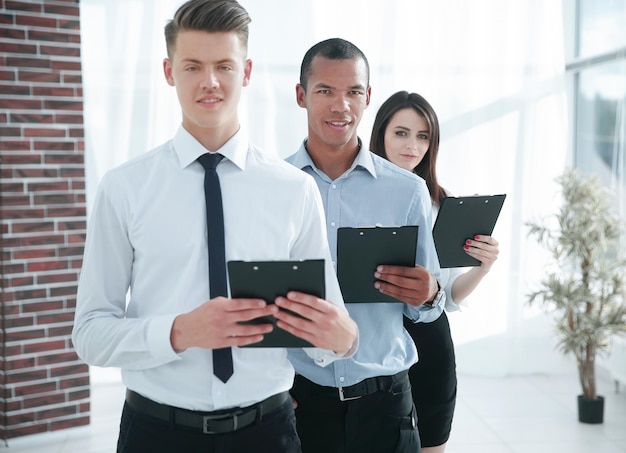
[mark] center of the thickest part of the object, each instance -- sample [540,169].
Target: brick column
[43,384]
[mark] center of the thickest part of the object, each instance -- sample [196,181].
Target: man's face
[208,71]
[336,96]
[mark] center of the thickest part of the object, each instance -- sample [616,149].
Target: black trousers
[275,433]
[383,422]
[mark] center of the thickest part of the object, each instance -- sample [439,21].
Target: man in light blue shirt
[363,403]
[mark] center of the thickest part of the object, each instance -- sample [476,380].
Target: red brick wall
[43,384]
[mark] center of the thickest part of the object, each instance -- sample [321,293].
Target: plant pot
[590,411]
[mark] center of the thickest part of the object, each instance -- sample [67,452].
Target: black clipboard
[361,250]
[459,219]
[270,279]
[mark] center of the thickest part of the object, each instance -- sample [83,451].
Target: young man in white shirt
[148,233]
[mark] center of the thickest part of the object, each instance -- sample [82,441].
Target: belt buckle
[206,419]
[342,397]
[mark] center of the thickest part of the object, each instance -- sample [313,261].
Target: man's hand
[216,324]
[323,324]
[413,285]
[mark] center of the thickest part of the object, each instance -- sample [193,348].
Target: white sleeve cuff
[158,338]
[324,357]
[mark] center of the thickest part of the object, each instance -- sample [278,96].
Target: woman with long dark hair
[406,132]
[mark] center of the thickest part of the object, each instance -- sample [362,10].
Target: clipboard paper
[269,279]
[459,219]
[361,250]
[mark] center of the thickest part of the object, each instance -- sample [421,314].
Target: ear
[167,70]
[300,96]
[247,70]
[368,95]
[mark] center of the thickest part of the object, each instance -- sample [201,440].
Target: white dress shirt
[147,234]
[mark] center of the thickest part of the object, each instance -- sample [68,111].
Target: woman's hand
[484,249]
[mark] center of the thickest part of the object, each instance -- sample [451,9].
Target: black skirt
[433,379]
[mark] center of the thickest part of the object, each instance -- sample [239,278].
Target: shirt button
[334,186]
[341,379]
[334,263]
[332,224]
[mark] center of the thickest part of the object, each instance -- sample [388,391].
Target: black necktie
[222,358]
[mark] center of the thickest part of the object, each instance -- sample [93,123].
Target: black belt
[207,422]
[361,389]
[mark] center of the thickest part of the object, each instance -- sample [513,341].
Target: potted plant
[585,289]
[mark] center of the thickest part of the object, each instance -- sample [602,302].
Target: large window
[600,26]
[599,73]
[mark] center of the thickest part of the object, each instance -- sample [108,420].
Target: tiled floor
[505,415]
[534,413]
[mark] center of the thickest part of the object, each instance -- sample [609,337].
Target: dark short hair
[208,15]
[333,49]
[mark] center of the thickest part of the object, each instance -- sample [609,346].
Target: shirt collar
[302,159]
[188,149]
[364,160]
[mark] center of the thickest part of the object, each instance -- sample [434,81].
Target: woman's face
[407,138]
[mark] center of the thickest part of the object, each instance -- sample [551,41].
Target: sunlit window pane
[601,125]
[601,25]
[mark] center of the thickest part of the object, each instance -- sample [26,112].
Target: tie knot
[210,160]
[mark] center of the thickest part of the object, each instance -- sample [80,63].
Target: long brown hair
[427,167]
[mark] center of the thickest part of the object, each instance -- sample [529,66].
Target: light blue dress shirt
[372,192]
